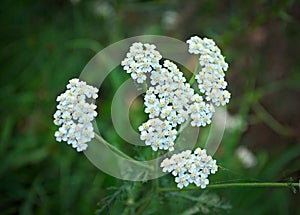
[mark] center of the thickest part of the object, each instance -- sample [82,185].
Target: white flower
[190,167]
[59,135]
[201,114]
[211,77]
[194,175]
[202,182]
[214,167]
[195,45]
[200,152]
[140,60]
[170,98]
[74,114]
[166,111]
[169,19]
[246,157]
[80,146]
[179,169]
[182,180]
[158,134]
[167,165]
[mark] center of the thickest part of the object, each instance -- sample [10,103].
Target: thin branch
[271,121]
[226,185]
[115,149]
[192,79]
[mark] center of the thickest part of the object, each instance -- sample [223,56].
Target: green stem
[100,138]
[192,80]
[115,149]
[182,127]
[226,185]
[271,121]
[143,207]
[145,87]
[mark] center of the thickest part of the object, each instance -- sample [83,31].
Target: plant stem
[115,149]
[182,127]
[100,138]
[143,207]
[271,121]
[192,80]
[226,185]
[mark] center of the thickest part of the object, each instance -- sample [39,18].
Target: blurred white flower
[74,1]
[190,167]
[246,157]
[103,9]
[169,19]
[234,122]
[74,114]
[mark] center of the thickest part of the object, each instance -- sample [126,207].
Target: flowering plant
[171,104]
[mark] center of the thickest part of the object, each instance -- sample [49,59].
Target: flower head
[170,99]
[210,79]
[190,167]
[140,60]
[158,134]
[74,114]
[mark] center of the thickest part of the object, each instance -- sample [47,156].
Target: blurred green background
[46,43]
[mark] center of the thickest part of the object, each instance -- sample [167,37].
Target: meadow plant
[170,102]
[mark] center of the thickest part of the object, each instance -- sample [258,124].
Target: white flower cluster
[211,77]
[140,60]
[158,134]
[188,167]
[170,99]
[74,114]
[170,96]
